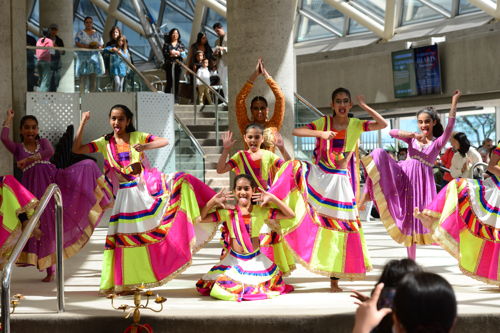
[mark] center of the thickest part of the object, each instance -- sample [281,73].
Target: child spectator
[198,61]
[118,67]
[203,90]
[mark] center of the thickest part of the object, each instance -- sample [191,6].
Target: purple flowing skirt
[85,195]
[397,188]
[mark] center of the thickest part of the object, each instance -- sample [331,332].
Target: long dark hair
[168,38]
[111,33]
[128,114]
[23,120]
[338,91]
[392,274]
[425,302]
[438,129]
[463,142]
[200,35]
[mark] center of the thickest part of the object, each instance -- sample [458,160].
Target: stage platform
[310,308]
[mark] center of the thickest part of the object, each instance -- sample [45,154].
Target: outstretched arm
[78,147]
[307,132]
[279,97]
[241,98]
[280,143]
[228,143]
[7,123]
[379,123]
[441,141]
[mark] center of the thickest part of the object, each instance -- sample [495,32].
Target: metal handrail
[191,137]
[309,105]
[52,191]
[479,164]
[219,96]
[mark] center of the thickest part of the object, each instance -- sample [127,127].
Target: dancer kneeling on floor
[245,274]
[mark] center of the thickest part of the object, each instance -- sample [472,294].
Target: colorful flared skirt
[15,201]
[272,245]
[467,214]
[85,195]
[326,235]
[396,189]
[243,277]
[151,239]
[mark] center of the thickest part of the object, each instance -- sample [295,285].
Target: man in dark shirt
[56,57]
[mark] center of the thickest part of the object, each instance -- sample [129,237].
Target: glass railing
[69,69]
[304,114]
[188,153]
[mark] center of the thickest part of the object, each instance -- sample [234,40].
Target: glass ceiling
[316,19]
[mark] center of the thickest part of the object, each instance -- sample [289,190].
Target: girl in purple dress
[397,188]
[84,192]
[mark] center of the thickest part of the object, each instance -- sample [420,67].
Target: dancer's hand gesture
[418,136]
[361,100]
[367,315]
[227,140]
[21,164]
[328,135]
[10,114]
[278,140]
[455,97]
[221,198]
[262,69]
[262,196]
[85,118]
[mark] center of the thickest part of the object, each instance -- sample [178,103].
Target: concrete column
[61,13]
[13,68]
[262,28]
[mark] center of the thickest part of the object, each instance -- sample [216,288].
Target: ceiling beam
[362,18]
[489,7]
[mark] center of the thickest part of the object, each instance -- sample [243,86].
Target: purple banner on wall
[427,70]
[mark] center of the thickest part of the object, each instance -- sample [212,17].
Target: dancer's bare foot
[49,277]
[425,219]
[334,286]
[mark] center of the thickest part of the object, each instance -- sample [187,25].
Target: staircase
[204,131]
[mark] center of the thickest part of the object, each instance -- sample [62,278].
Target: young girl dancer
[261,165]
[396,188]
[326,235]
[260,110]
[245,274]
[151,235]
[118,66]
[83,204]
[464,219]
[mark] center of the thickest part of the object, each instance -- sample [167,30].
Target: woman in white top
[464,158]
